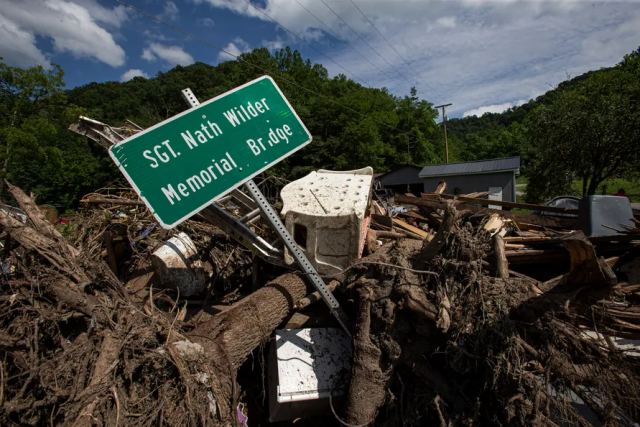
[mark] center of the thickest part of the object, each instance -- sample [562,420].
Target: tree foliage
[590,133]
[586,128]
[36,150]
[352,126]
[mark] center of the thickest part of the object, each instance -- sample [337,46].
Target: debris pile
[462,315]
[455,345]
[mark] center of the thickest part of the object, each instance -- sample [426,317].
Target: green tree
[590,133]
[37,152]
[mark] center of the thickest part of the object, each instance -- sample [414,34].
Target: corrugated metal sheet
[480,166]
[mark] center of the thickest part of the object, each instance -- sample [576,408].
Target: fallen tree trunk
[233,333]
[229,337]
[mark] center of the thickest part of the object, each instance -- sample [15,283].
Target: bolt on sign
[183,164]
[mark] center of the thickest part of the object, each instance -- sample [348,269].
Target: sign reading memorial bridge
[183,164]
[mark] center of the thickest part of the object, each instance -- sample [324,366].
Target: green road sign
[181,165]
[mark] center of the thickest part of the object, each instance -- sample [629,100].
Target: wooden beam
[410,228]
[586,267]
[413,215]
[540,220]
[441,188]
[542,208]
[502,265]
[111,253]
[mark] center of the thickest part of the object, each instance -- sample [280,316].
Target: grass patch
[607,188]
[610,186]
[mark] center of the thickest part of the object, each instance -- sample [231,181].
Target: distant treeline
[352,126]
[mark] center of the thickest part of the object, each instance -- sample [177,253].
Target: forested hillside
[587,128]
[571,140]
[502,134]
[330,107]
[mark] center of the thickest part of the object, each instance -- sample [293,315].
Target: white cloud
[273,44]
[207,22]
[469,53]
[134,72]
[156,36]
[69,25]
[171,11]
[22,50]
[497,108]
[114,17]
[172,55]
[236,48]
[447,21]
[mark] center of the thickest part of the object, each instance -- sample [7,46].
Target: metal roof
[480,166]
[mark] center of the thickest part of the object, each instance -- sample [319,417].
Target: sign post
[179,166]
[241,133]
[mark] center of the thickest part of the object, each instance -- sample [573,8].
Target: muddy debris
[446,329]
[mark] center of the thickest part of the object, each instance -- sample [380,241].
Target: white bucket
[178,266]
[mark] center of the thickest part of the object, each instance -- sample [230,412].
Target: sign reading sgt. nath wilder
[181,165]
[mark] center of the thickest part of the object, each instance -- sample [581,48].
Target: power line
[394,49]
[356,33]
[347,43]
[160,21]
[367,43]
[303,41]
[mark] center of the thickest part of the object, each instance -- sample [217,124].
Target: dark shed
[402,179]
[497,176]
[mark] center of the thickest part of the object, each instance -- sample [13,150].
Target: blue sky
[479,55]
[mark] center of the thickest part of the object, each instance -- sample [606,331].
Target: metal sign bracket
[265,249]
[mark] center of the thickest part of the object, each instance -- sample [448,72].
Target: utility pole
[444,122]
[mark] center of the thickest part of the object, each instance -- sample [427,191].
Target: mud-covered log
[368,383]
[229,337]
[46,247]
[502,265]
[233,333]
[432,247]
[38,220]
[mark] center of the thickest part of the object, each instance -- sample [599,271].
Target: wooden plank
[502,265]
[530,239]
[413,215]
[411,228]
[586,267]
[111,254]
[441,188]
[540,220]
[435,196]
[544,240]
[434,221]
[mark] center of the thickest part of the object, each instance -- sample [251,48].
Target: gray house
[498,176]
[402,179]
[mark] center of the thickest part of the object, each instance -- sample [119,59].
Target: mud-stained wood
[539,220]
[431,248]
[411,228]
[586,267]
[502,265]
[367,390]
[506,204]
